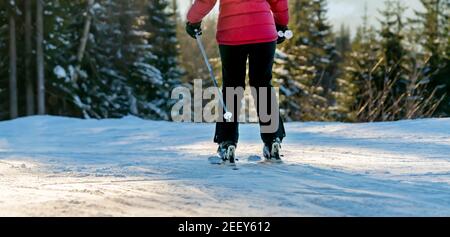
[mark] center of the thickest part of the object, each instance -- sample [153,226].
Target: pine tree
[123,65]
[434,24]
[161,24]
[98,56]
[343,42]
[107,93]
[324,53]
[382,80]
[63,24]
[343,47]
[300,98]
[108,75]
[392,41]
[356,87]
[147,85]
[304,65]
[163,38]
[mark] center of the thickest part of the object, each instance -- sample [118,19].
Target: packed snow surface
[53,166]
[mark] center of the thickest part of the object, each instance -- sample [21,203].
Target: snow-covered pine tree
[300,99]
[63,24]
[301,64]
[75,86]
[98,60]
[161,23]
[105,93]
[136,82]
[163,37]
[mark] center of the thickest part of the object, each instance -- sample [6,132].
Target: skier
[246,30]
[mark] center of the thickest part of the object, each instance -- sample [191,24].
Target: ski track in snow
[53,166]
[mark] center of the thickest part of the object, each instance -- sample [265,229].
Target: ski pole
[228,115]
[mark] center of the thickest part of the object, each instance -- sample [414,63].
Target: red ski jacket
[243,21]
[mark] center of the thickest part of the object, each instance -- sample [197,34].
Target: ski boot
[227,152]
[272,151]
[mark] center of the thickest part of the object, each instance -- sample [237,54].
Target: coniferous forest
[114,58]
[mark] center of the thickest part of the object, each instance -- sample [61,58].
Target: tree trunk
[40,57]
[84,39]
[13,107]
[28,48]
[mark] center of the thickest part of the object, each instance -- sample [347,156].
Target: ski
[260,160]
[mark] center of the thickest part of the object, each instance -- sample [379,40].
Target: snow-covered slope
[132,167]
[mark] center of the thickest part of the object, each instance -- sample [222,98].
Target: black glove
[194,29]
[282,29]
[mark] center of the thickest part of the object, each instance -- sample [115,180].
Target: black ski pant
[234,69]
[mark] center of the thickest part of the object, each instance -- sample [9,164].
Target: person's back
[244,21]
